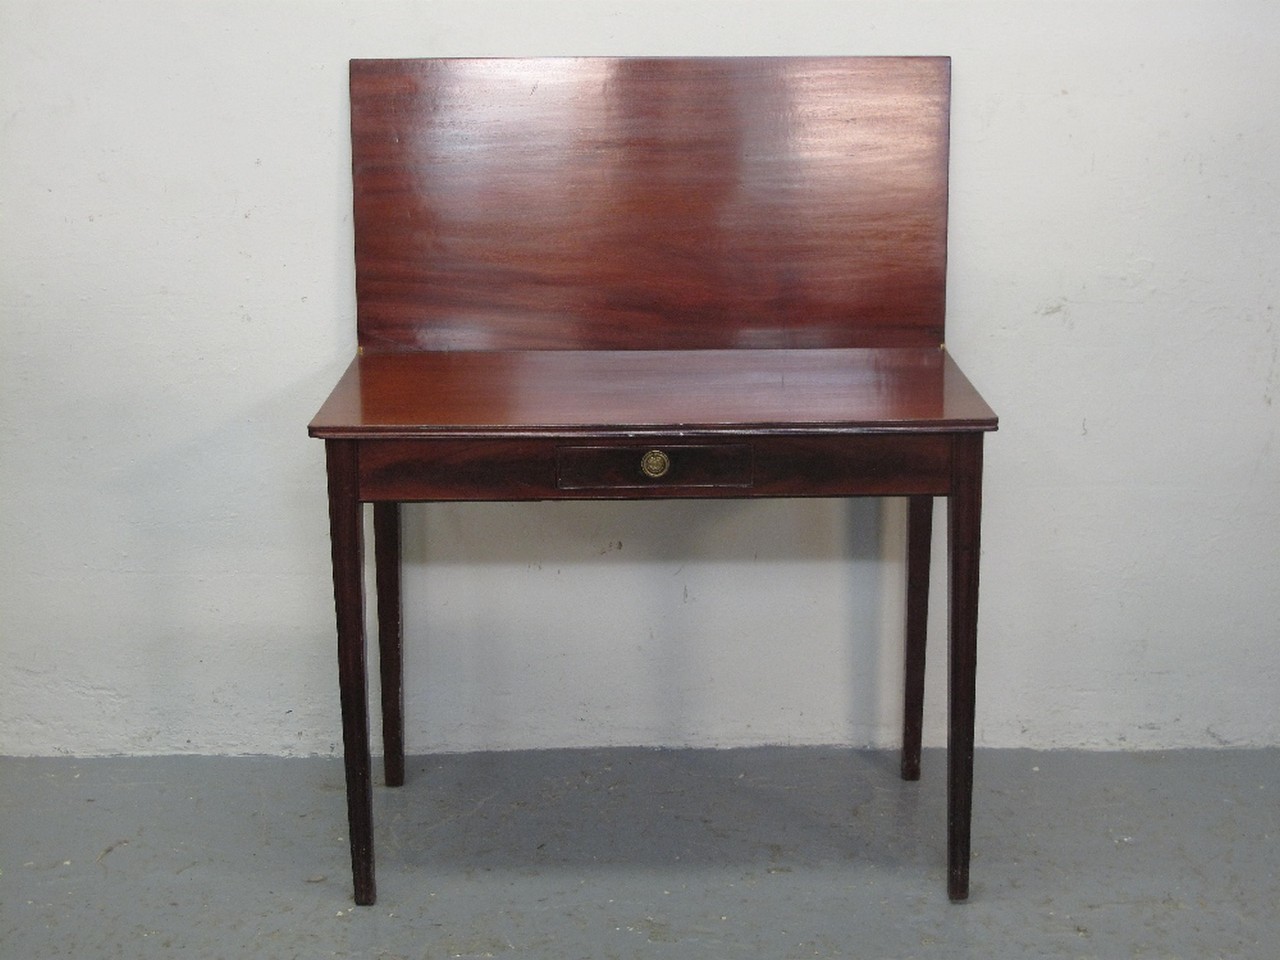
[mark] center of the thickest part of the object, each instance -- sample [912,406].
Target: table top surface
[616,392]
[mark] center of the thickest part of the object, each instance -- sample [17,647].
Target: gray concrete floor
[619,853]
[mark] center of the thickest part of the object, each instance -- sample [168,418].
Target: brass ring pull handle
[655,464]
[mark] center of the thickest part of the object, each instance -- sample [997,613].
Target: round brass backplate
[655,464]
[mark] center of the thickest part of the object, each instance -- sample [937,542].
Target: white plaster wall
[176,298]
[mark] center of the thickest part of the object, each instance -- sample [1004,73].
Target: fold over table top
[619,392]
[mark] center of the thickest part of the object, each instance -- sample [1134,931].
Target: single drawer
[636,467]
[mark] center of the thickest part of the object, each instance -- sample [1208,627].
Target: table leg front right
[964,513]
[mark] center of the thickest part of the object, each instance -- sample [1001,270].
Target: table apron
[596,468]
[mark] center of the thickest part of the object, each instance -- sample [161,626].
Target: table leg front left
[346,535]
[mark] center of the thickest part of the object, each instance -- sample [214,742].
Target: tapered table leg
[964,512]
[386,550]
[346,536]
[919,542]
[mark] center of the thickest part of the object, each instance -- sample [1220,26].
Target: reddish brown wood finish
[919,546]
[731,268]
[488,393]
[964,509]
[386,545]
[346,538]
[677,464]
[534,468]
[516,203]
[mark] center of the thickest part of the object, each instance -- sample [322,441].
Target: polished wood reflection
[486,392]
[605,203]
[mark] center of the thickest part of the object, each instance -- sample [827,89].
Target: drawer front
[639,467]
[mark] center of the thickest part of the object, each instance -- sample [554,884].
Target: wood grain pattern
[650,203]
[483,393]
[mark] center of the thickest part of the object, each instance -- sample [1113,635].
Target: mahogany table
[597,278]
